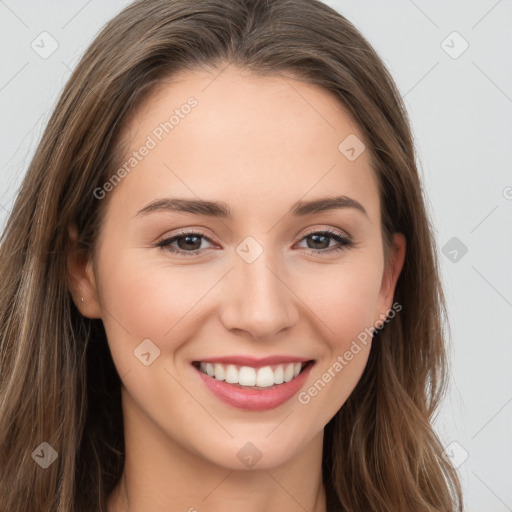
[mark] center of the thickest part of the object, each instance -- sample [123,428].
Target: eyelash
[344,241]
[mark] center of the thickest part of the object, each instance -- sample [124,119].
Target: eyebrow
[222,210]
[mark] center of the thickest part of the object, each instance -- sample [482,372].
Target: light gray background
[460,109]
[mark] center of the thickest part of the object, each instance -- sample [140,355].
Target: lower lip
[255,399]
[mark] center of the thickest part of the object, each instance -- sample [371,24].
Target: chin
[259,451]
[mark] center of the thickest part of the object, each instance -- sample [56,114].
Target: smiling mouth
[248,377]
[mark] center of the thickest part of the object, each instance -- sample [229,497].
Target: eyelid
[203,232]
[331,230]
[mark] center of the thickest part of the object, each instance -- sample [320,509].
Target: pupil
[189,245]
[315,238]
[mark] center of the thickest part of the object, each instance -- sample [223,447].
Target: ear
[81,278]
[390,277]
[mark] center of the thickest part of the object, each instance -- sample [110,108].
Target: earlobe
[81,278]
[392,272]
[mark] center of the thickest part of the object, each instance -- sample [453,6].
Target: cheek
[142,301]
[344,298]
[152,299]
[346,302]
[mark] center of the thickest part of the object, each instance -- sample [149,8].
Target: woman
[220,286]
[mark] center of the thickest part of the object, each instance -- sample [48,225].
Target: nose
[258,299]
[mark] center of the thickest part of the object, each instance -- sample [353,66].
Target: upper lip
[254,362]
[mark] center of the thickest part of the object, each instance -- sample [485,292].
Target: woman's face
[244,291]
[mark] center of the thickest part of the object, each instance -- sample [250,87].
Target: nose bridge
[259,300]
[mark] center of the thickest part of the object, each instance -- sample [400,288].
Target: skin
[258,144]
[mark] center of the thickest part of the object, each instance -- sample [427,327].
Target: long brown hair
[58,383]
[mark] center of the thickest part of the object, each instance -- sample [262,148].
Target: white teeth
[231,374]
[220,373]
[263,377]
[279,375]
[288,373]
[247,376]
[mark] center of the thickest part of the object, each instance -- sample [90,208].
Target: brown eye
[319,241]
[187,243]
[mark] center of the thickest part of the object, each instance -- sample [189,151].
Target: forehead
[247,139]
